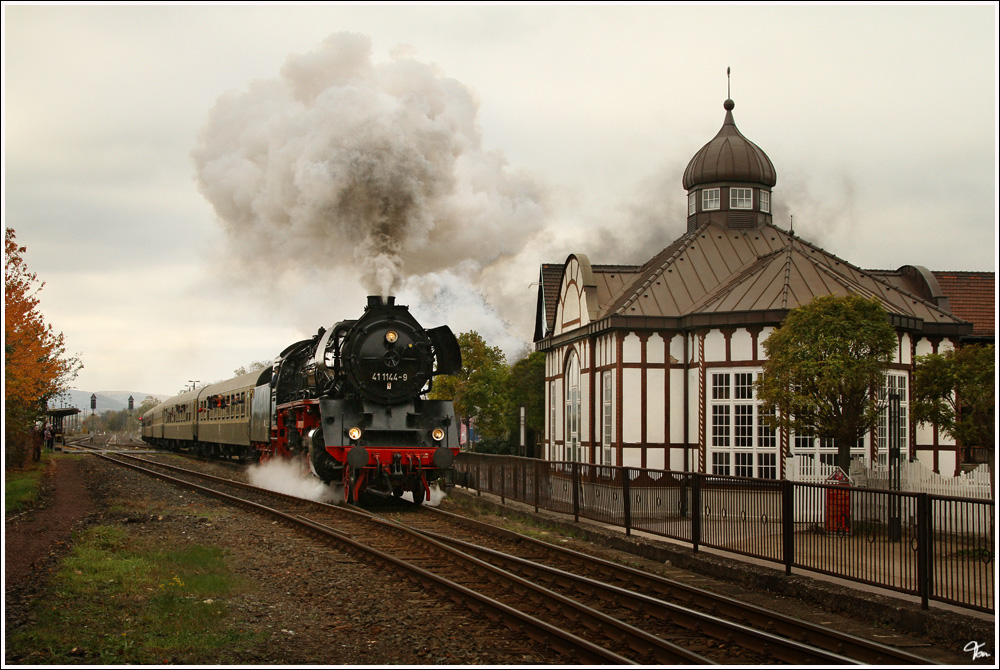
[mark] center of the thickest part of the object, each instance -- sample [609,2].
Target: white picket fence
[914,477]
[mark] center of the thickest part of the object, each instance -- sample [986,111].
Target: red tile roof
[972,297]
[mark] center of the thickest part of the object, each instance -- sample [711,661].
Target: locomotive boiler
[350,402]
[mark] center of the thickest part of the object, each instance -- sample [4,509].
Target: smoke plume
[378,166]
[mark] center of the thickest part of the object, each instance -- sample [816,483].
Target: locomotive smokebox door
[389,358]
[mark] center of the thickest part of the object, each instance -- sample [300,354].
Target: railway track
[590,610]
[645,593]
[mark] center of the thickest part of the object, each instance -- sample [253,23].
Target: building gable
[577,303]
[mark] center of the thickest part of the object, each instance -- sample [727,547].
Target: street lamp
[894,437]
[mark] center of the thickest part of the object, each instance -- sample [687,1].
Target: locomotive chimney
[379,301]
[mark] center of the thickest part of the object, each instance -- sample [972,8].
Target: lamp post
[895,524]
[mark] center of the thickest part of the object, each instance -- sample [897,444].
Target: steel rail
[780,648]
[845,644]
[558,639]
[791,633]
[638,640]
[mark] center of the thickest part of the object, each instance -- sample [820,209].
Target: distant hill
[106,400]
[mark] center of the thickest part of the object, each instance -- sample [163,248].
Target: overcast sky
[200,186]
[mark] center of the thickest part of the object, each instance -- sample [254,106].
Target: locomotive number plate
[389,377]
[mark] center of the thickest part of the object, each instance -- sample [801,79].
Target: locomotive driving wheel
[417,489]
[347,486]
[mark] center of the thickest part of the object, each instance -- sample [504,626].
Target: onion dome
[729,157]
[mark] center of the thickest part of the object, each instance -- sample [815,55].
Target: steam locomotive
[349,402]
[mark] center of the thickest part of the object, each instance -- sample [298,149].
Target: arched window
[571,383]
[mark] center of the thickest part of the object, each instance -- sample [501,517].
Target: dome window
[741,198]
[765,201]
[692,203]
[710,199]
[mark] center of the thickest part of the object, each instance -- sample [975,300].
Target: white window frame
[740,198]
[765,201]
[721,463]
[711,199]
[741,442]
[894,381]
[692,203]
[553,418]
[571,381]
[607,414]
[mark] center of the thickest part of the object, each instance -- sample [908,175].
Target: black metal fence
[935,547]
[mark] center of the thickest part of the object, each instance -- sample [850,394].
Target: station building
[654,365]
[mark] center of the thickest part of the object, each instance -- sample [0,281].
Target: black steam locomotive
[349,401]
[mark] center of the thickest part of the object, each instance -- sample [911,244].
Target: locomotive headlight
[391,337]
[354,433]
[437,434]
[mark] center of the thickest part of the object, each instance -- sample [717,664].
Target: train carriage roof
[241,383]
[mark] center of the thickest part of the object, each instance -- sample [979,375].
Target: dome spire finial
[728,104]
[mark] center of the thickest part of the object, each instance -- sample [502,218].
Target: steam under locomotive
[349,401]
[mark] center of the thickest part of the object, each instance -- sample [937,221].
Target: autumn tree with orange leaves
[36,367]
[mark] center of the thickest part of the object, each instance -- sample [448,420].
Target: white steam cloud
[292,478]
[341,161]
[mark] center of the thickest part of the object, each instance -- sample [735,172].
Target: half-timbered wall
[645,396]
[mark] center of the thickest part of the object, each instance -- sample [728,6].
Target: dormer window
[692,203]
[765,201]
[741,198]
[710,199]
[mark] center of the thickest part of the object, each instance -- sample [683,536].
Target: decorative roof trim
[708,320]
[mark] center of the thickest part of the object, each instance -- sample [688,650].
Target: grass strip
[117,600]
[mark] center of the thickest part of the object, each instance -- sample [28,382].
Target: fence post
[503,483]
[479,478]
[627,499]
[925,537]
[538,483]
[695,511]
[576,493]
[788,523]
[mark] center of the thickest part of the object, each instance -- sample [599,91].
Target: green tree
[527,387]
[148,403]
[957,392]
[253,366]
[480,389]
[36,367]
[825,368]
